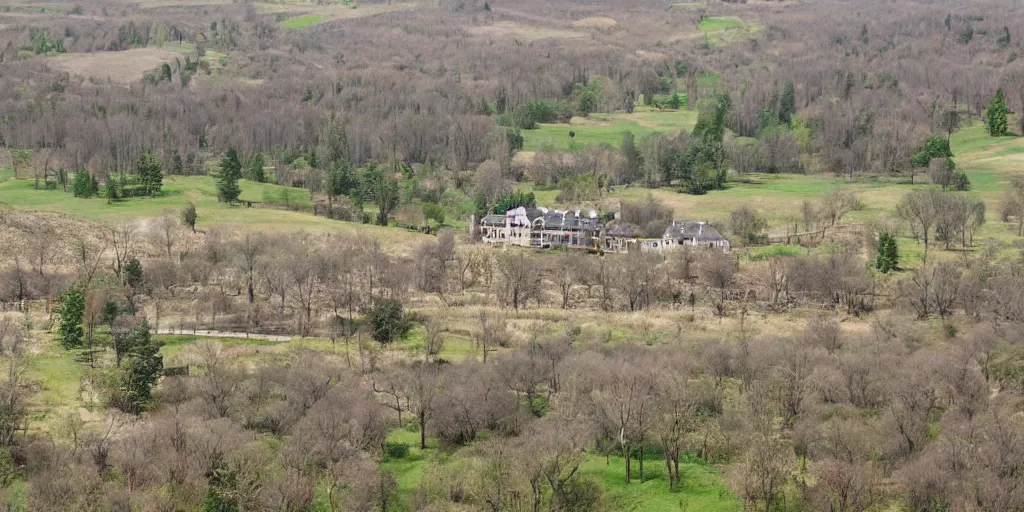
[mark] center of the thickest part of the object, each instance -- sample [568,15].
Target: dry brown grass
[21,231]
[122,68]
[600,22]
[181,3]
[651,56]
[515,30]
[334,11]
[524,157]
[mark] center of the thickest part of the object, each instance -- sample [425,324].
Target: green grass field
[718,24]
[607,129]
[202,191]
[60,377]
[303,21]
[183,48]
[408,471]
[703,488]
[988,163]
[726,29]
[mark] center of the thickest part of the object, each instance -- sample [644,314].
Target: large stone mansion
[543,228]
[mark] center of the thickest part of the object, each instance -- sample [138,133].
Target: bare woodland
[810,381]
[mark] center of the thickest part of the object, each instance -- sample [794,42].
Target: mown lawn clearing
[202,191]
[303,21]
[606,129]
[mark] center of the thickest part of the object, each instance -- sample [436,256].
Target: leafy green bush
[396,450]
[387,321]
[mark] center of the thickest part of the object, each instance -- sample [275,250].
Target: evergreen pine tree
[967,35]
[888,258]
[112,191]
[189,216]
[141,371]
[177,165]
[83,185]
[227,183]
[71,312]
[341,179]
[1005,39]
[254,172]
[787,104]
[996,116]
[150,174]
[675,101]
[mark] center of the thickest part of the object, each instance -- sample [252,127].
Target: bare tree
[920,209]
[88,256]
[824,332]
[433,340]
[167,232]
[519,278]
[836,205]
[219,380]
[761,479]
[676,414]
[565,273]
[625,404]
[773,276]
[493,333]
[123,239]
[422,384]
[717,273]
[14,386]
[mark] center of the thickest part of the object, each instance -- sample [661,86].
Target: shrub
[387,321]
[748,224]
[647,213]
[84,185]
[397,450]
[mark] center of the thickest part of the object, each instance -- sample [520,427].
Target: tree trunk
[671,476]
[641,452]
[423,429]
[628,456]
[359,345]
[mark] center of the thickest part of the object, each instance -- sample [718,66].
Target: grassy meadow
[726,29]
[303,21]
[299,15]
[987,161]
[202,191]
[702,489]
[607,129]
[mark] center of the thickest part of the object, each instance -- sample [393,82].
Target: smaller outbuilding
[695,234]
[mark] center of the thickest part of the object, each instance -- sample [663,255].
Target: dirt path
[223,334]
